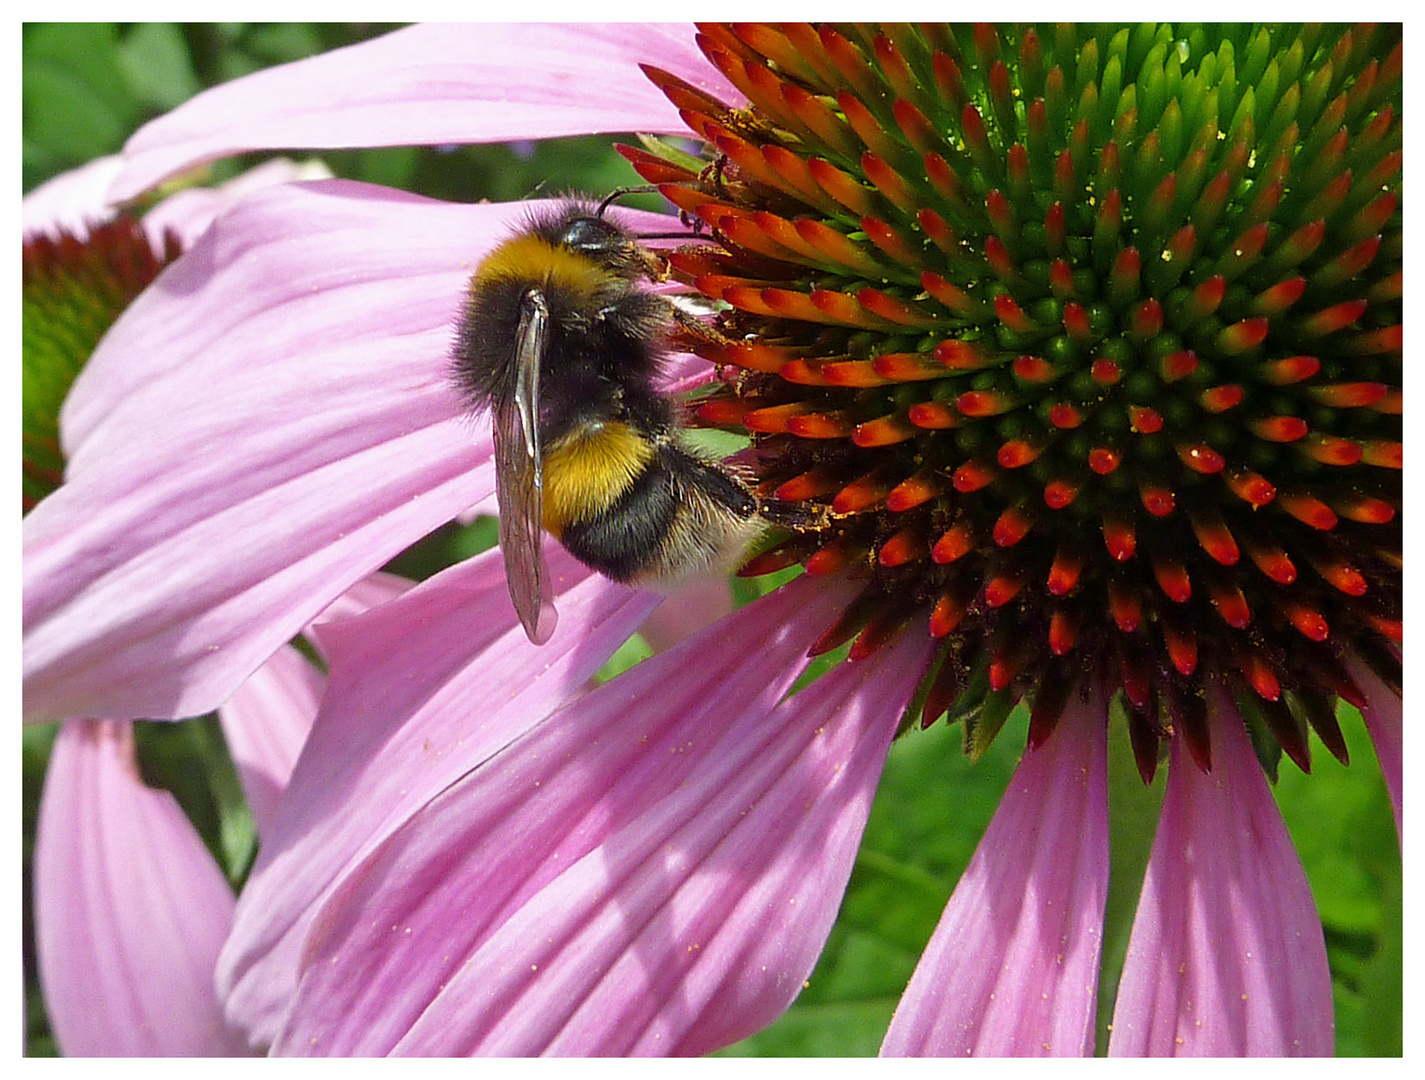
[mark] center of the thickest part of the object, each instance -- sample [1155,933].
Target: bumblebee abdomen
[589,470]
[678,518]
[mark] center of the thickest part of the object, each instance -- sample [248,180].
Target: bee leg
[692,221]
[697,331]
[796,516]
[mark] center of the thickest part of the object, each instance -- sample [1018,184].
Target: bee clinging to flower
[562,342]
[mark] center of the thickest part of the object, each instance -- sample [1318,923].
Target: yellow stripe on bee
[534,260]
[587,470]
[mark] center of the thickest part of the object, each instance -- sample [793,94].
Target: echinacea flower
[1087,347]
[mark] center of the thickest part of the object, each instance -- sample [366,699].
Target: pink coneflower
[1090,344]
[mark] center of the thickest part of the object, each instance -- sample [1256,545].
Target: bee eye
[592,236]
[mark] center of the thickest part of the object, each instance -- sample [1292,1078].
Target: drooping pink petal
[652,870]
[130,908]
[422,690]
[1226,958]
[684,372]
[1384,717]
[433,85]
[265,724]
[1012,969]
[244,446]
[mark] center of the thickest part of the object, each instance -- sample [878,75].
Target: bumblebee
[561,342]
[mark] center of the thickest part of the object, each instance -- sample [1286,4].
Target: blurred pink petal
[432,85]
[652,870]
[1226,958]
[75,200]
[130,908]
[71,201]
[422,690]
[265,724]
[245,446]
[1012,969]
[1384,717]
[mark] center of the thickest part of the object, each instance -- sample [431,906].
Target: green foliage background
[87,87]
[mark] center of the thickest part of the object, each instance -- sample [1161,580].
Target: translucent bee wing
[519,474]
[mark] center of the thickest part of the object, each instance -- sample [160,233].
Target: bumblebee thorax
[536,262]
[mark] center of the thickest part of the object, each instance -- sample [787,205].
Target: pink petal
[72,201]
[1226,957]
[78,199]
[190,211]
[246,445]
[652,870]
[1384,719]
[432,85]
[422,690]
[695,606]
[266,722]
[130,908]
[370,592]
[1012,969]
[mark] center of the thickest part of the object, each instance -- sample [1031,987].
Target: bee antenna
[619,193]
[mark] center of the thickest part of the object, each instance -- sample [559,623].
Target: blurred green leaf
[396,166]
[190,759]
[1341,822]
[633,651]
[281,43]
[1382,982]
[155,61]
[75,101]
[446,546]
[1133,810]
[67,117]
[839,1029]
[88,51]
[36,743]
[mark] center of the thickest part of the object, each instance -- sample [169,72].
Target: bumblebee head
[587,233]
